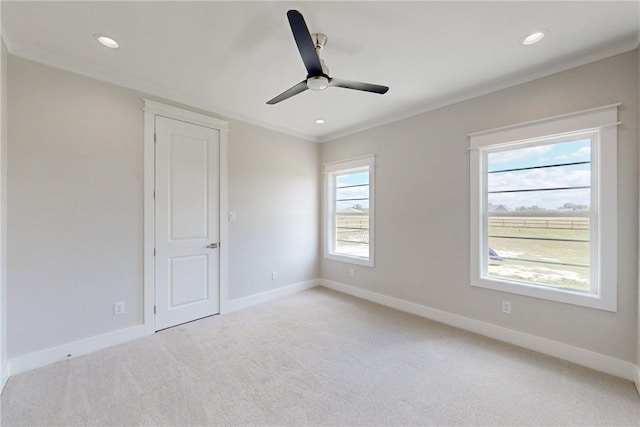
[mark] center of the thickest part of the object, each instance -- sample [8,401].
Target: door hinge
[154,309]
[155,137]
[154,251]
[154,195]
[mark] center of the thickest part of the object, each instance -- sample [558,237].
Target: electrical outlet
[118,308]
[274,275]
[351,272]
[506,307]
[232,216]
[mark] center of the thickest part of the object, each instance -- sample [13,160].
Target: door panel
[188,280]
[187,222]
[188,187]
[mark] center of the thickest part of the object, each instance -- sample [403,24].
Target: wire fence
[547,223]
[357,222]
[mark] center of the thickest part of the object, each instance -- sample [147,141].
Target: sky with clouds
[351,187]
[562,173]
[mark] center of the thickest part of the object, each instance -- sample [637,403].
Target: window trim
[602,121]
[330,170]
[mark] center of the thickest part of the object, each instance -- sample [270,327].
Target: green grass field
[548,254]
[353,235]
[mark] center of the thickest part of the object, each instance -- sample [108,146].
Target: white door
[187,259]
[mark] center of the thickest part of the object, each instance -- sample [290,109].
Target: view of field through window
[352,214]
[538,210]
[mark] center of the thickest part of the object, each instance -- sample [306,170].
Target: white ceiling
[231,57]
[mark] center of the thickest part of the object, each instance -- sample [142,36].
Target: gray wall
[75,207]
[75,174]
[273,188]
[422,206]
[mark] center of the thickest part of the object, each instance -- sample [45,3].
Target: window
[544,209]
[349,211]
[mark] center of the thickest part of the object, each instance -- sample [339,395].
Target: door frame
[152,109]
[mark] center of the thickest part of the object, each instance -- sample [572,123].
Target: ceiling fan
[318,78]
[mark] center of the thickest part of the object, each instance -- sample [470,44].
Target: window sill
[350,259]
[600,302]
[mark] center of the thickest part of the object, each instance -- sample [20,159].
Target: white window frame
[330,170]
[599,123]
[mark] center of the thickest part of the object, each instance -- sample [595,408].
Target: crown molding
[147,89]
[545,70]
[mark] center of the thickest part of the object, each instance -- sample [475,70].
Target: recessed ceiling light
[533,38]
[319,122]
[106,41]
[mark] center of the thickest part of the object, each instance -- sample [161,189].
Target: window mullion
[484,252]
[594,221]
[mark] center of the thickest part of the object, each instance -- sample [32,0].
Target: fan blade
[300,87]
[367,87]
[305,43]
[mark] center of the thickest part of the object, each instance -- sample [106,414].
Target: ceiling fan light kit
[309,46]
[317,83]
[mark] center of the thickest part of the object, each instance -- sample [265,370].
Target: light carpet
[317,358]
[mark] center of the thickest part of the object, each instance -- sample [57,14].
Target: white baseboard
[47,356]
[240,303]
[580,356]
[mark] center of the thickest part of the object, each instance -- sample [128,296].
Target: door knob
[212,246]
